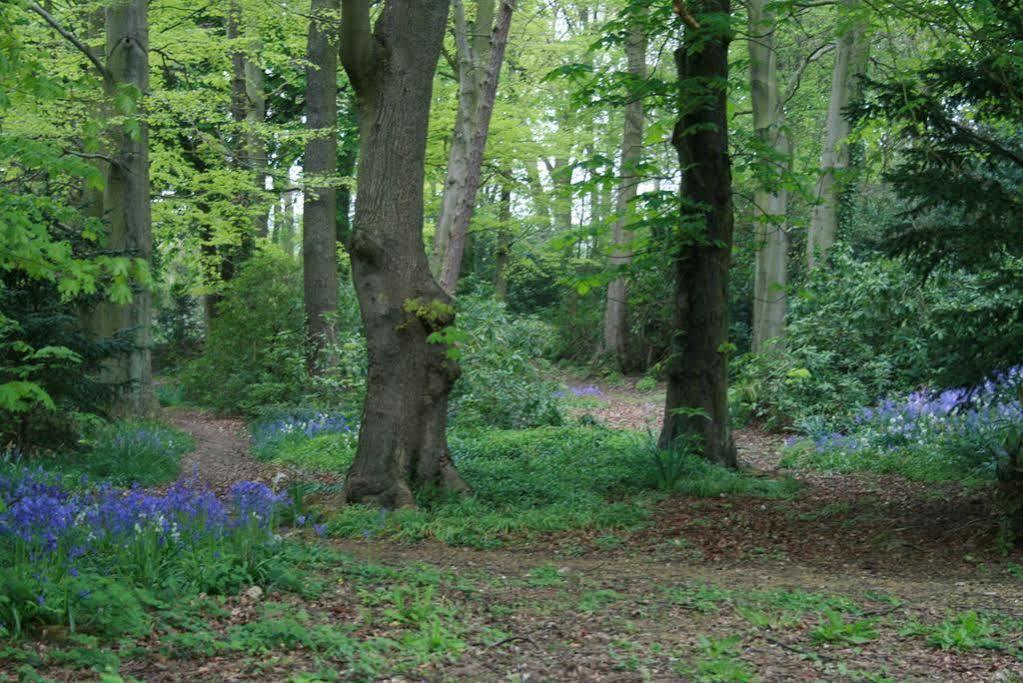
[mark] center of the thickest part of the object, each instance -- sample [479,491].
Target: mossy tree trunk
[402,440]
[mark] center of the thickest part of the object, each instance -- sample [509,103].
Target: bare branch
[73,39]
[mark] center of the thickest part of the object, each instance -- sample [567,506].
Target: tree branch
[798,76]
[104,73]
[356,41]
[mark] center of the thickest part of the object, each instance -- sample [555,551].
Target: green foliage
[834,629]
[859,330]
[255,353]
[501,384]
[136,452]
[542,480]
[130,453]
[966,631]
[332,453]
[718,661]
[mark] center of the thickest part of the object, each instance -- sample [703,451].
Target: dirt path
[221,456]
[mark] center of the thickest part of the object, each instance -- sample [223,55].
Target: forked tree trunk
[771,198]
[697,402]
[402,440]
[616,307]
[479,71]
[126,206]
[319,234]
[851,49]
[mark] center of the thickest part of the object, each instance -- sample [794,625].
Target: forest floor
[857,577]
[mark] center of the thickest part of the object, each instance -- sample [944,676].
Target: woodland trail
[903,552]
[222,453]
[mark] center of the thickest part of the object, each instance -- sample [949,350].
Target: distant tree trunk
[287,236]
[771,199]
[851,49]
[503,252]
[255,147]
[616,307]
[319,224]
[540,197]
[561,178]
[126,206]
[348,153]
[402,440]
[479,71]
[697,402]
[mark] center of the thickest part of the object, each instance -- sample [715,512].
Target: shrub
[255,352]
[964,433]
[857,330]
[501,385]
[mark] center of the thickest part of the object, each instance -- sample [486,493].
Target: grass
[127,453]
[534,481]
[929,464]
[403,624]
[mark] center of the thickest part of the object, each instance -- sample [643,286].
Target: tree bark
[402,441]
[126,206]
[851,49]
[697,402]
[771,198]
[616,306]
[319,218]
[476,105]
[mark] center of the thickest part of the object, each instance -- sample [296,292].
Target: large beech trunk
[616,307]
[697,402]
[319,217]
[770,200]
[402,441]
[851,50]
[126,206]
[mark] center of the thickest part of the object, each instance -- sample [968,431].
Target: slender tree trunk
[287,237]
[402,441]
[616,307]
[503,252]
[319,229]
[771,199]
[697,402]
[464,175]
[255,147]
[851,50]
[540,197]
[126,205]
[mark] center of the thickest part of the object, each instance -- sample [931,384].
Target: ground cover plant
[123,453]
[94,558]
[969,434]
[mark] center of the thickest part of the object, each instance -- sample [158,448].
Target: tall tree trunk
[771,199]
[126,205]
[616,307]
[697,402]
[503,252]
[464,174]
[319,218]
[851,50]
[402,441]
[255,146]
